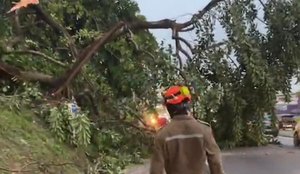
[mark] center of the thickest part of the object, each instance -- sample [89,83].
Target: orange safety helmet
[177,94]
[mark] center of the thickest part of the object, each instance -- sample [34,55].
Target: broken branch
[86,54]
[25,75]
[116,31]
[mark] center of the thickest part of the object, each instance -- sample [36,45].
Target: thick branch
[86,54]
[25,75]
[116,31]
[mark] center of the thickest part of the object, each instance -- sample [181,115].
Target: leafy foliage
[74,130]
[241,77]
[234,81]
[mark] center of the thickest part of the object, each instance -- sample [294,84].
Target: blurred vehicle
[297,135]
[269,127]
[287,121]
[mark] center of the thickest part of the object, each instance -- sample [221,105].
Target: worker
[184,145]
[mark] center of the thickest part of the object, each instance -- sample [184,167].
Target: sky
[181,10]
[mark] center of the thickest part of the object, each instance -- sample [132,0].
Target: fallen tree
[235,80]
[121,28]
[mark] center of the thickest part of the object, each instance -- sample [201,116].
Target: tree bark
[12,72]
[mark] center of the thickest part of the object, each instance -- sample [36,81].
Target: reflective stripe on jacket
[183,146]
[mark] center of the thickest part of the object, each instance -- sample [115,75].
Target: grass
[25,145]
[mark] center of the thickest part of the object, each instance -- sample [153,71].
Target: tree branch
[37,53]
[116,31]
[177,45]
[262,3]
[57,27]
[17,23]
[25,75]
[86,54]
[179,48]
[260,20]
[19,34]
[185,53]
[185,42]
[232,61]
[201,13]
[187,29]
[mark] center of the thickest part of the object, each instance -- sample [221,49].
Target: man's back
[183,146]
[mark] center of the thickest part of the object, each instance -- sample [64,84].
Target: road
[272,159]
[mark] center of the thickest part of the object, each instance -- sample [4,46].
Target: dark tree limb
[185,53]
[113,33]
[86,54]
[177,45]
[14,72]
[179,48]
[201,13]
[187,29]
[262,3]
[185,42]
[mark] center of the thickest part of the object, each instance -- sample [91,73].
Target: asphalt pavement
[271,159]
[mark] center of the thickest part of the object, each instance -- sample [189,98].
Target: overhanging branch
[86,54]
[116,31]
[201,13]
[179,48]
[177,45]
[185,42]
